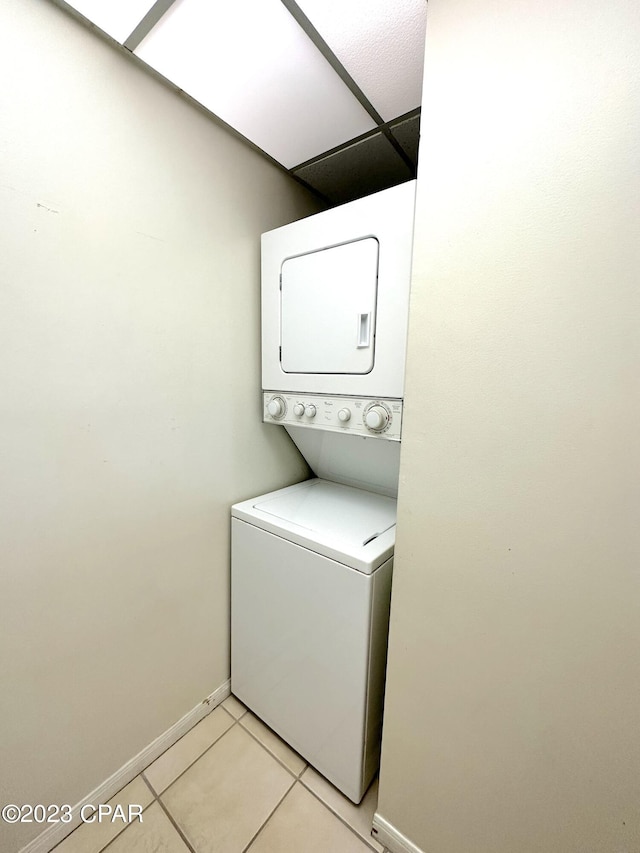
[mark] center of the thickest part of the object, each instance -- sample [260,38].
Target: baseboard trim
[387,835]
[54,834]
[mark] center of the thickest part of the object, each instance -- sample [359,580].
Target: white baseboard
[54,834]
[387,835]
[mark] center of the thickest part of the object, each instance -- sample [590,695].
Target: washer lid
[346,524]
[330,509]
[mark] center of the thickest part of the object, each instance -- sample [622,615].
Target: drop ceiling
[328,89]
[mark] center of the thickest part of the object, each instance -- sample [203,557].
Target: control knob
[310,410]
[344,415]
[376,418]
[276,407]
[298,410]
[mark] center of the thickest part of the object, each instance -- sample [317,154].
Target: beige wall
[513,697]
[129,377]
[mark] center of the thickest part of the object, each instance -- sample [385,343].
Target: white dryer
[310,611]
[335,311]
[335,298]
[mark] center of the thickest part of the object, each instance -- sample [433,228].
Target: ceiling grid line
[147,23]
[296,12]
[301,19]
[332,85]
[399,150]
[381,128]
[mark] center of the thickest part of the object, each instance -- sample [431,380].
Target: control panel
[351,415]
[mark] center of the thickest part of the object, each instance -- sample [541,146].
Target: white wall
[513,694]
[130,401]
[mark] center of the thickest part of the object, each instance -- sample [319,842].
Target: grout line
[128,826]
[109,843]
[176,827]
[183,736]
[298,778]
[235,719]
[271,814]
[120,831]
[156,799]
[148,783]
[181,774]
[272,754]
[339,816]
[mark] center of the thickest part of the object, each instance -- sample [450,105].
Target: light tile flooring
[231,785]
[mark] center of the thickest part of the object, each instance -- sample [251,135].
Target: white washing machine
[311,586]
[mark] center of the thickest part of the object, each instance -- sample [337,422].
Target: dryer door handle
[364,330]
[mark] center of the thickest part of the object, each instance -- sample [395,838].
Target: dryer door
[328,309]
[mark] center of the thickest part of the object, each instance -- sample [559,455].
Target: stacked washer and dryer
[311,563]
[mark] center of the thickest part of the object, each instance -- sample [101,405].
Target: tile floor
[231,785]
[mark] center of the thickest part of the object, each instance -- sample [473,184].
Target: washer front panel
[308,649]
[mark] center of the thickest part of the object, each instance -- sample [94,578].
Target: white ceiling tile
[118,18]
[250,63]
[380,43]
